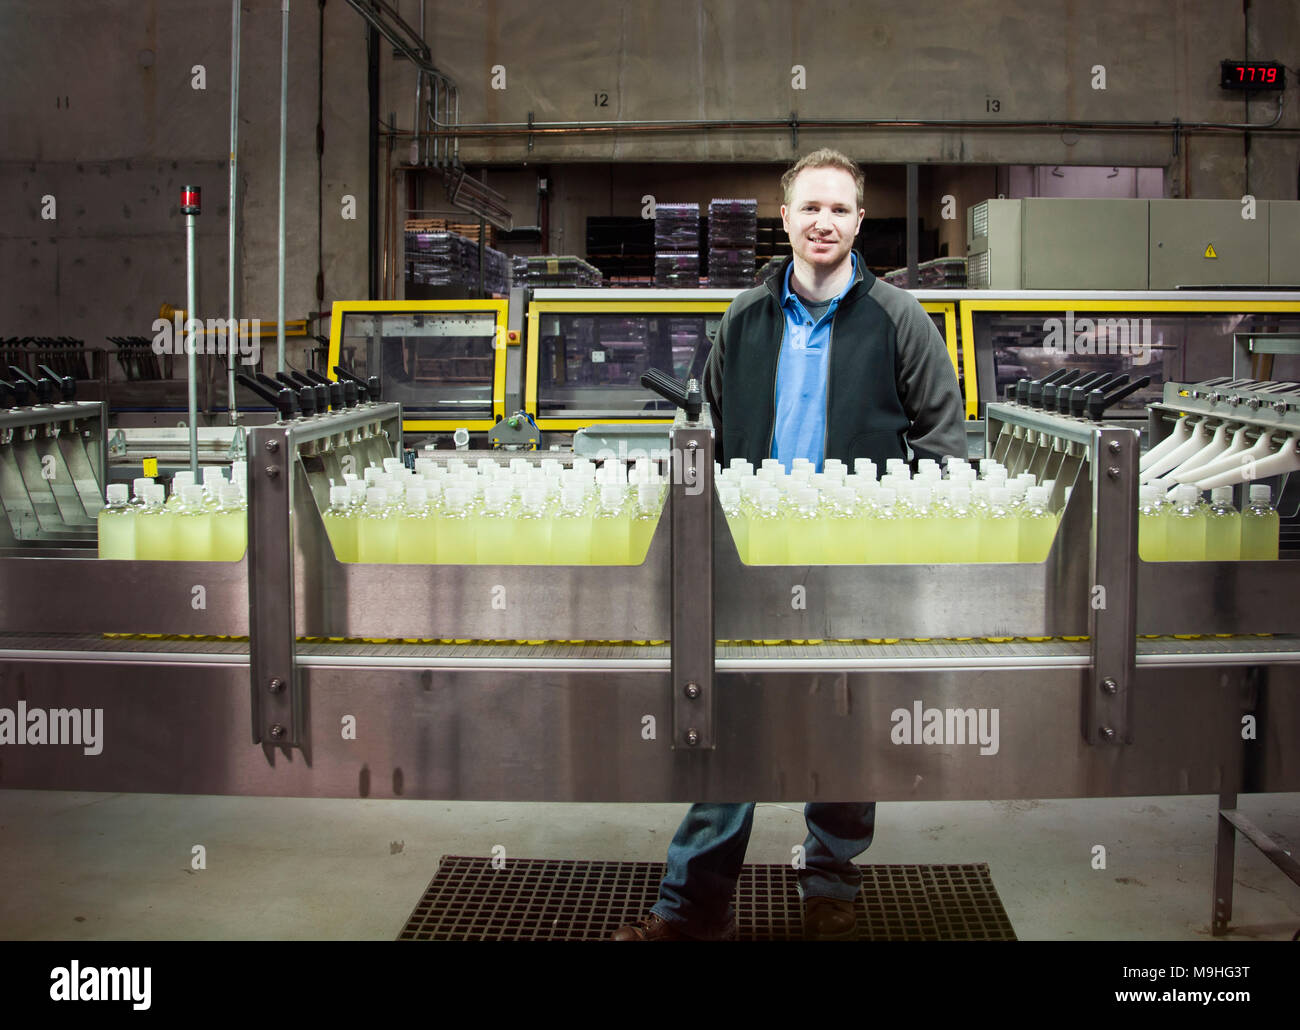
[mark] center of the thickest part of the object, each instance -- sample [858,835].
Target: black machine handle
[8,395]
[43,388]
[279,397]
[319,392]
[337,397]
[686,396]
[1050,390]
[306,395]
[367,389]
[1065,393]
[1100,400]
[66,384]
[1034,395]
[1079,392]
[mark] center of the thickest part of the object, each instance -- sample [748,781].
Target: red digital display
[1252,75]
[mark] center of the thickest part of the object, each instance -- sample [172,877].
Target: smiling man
[823,360]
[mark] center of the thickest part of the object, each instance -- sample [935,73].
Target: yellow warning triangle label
[1209,251]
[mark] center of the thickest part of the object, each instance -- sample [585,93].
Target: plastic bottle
[213,480]
[571,526]
[645,518]
[1037,526]
[377,529]
[494,532]
[885,531]
[611,527]
[1260,526]
[532,531]
[180,481]
[153,535]
[230,526]
[137,492]
[1185,539]
[767,529]
[999,534]
[456,532]
[846,541]
[923,542]
[806,544]
[1222,527]
[116,524]
[958,528]
[192,523]
[416,531]
[1152,525]
[341,524]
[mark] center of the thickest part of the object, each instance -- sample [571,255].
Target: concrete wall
[99,112]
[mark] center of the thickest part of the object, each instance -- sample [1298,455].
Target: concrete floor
[105,866]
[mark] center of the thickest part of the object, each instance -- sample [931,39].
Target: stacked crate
[733,238]
[677,245]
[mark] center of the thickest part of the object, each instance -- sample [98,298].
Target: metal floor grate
[553,900]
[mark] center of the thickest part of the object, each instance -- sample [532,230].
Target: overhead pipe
[284,154]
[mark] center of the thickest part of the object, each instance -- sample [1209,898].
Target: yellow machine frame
[343,307]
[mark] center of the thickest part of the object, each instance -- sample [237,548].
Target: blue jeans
[708,850]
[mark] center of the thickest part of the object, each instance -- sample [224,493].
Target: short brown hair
[823,158]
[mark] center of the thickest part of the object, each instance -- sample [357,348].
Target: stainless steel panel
[575,736]
[691,512]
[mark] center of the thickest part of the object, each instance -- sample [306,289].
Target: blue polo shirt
[801,371]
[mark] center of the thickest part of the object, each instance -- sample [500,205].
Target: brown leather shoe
[829,919]
[652,927]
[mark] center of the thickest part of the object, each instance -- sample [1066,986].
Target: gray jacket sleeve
[927,382]
[713,383]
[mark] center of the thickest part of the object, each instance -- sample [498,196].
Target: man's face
[823,217]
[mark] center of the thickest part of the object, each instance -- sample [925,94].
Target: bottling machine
[691,676]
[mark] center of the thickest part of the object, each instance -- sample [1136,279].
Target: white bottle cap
[1148,493]
[769,497]
[349,478]
[213,474]
[390,464]
[961,497]
[456,497]
[921,496]
[774,465]
[999,496]
[800,463]
[611,495]
[1036,496]
[728,496]
[1018,488]
[845,496]
[496,496]
[533,497]
[893,463]
[358,489]
[138,485]
[232,494]
[572,495]
[432,489]
[647,494]
[181,480]
[156,494]
[887,497]
[926,463]
[116,493]
[427,463]
[192,495]
[372,473]
[456,463]
[1185,493]
[416,497]
[1221,494]
[864,467]
[339,495]
[1261,492]
[979,489]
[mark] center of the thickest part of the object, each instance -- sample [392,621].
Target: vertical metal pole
[234,172]
[416,126]
[284,135]
[913,229]
[1224,863]
[191,323]
[690,509]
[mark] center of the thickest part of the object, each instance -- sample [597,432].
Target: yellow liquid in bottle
[1037,530]
[457,540]
[116,534]
[414,533]
[377,538]
[153,534]
[230,536]
[1259,536]
[342,531]
[611,539]
[1186,535]
[1223,536]
[532,539]
[999,537]
[193,536]
[1151,535]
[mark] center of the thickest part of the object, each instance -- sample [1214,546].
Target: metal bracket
[794,130]
[691,512]
[276,704]
[1112,604]
[238,449]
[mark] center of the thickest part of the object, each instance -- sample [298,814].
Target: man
[823,360]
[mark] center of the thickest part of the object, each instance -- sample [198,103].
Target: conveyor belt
[785,656]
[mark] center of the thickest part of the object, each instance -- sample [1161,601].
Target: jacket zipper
[826,422]
[771,433]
